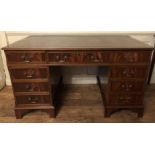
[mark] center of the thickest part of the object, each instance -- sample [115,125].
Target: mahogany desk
[35,65]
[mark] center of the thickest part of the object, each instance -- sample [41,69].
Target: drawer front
[126,86]
[33,99]
[25,57]
[61,58]
[131,57]
[95,57]
[31,87]
[29,73]
[125,99]
[128,72]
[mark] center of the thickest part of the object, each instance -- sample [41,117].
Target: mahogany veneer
[34,64]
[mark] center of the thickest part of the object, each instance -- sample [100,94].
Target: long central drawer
[81,57]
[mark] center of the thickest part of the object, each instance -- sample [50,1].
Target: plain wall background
[2,72]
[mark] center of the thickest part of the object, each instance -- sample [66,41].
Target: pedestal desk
[35,66]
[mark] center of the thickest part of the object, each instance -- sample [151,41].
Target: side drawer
[31,87]
[33,99]
[125,99]
[131,57]
[129,72]
[24,57]
[29,73]
[127,86]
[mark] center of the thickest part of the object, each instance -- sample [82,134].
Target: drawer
[26,57]
[125,99]
[95,57]
[33,99]
[131,57]
[31,87]
[127,86]
[61,57]
[29,73]
[129,72]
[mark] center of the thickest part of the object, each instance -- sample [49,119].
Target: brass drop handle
[124,98]
[62,60]
[130,86]
[94,59]
[29,75]
[129,57]
[27,61]
[65,57]
[123,85]
[57,57]
[30,87]
[33,99]
[23,56]
[126,87]
[29,58]
[121,98]
[26,58]
[128,73]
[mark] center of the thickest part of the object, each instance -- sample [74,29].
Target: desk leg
[19,113]
[109,111]
[51,112]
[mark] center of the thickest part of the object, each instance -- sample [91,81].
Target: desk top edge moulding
[35,64]
[62,42]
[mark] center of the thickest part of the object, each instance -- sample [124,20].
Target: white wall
[4,43]
[87,76]
[2,73]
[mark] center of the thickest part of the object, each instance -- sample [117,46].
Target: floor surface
[81,103]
